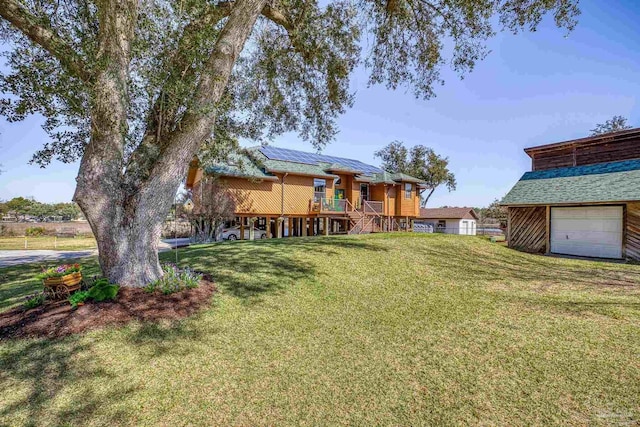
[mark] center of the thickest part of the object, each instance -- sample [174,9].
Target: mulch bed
[56,319]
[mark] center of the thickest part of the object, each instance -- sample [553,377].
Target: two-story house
[294,193]
[581,198]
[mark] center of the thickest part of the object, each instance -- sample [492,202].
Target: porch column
[268,219]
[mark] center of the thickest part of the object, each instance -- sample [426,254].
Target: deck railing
[329,205]
[372,207]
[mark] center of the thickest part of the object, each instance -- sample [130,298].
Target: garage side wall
[633,231]
[528,229]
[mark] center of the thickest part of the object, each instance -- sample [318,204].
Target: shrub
[34,300]
[175,279]
[103,291]
[78,297]
[35,231]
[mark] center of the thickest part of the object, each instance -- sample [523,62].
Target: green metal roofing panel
[590,188]
[240,166]
[296,168]
[383,178]
[404,178]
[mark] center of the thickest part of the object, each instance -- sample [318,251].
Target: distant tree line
[23,208]
[492,214]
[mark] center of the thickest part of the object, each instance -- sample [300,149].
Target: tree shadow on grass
[508,265]
[249,270]
[47,368]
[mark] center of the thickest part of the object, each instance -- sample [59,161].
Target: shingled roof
[448,213]
[603,182]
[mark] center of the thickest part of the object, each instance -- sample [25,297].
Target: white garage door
[587,231]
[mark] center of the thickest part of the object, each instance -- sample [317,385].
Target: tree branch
[27,23]
[160,122]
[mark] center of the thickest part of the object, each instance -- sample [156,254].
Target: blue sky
[534,88]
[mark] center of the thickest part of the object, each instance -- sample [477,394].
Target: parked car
[233,233]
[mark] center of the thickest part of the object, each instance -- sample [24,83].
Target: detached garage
[590,208]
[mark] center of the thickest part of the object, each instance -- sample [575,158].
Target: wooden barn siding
[528,229]
[555,159]
[633,231]
[580,155]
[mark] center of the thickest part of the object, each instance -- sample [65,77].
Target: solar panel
[284,154]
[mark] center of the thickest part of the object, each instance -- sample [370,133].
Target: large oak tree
[134,88]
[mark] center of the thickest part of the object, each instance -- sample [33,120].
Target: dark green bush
[103,290]
[78,297]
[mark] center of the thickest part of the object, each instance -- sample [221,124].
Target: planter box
[60,287]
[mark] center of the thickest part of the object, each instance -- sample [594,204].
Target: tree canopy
[420,162]
[136,88]
[292,76]
[615,124]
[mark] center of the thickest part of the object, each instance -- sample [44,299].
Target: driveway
[11,258]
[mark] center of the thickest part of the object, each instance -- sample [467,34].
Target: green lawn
[400,329]
[47,242]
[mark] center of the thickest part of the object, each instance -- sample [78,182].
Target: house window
[319,189]
[408,188]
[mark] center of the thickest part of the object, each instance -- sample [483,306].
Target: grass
[48,242]
[397,329]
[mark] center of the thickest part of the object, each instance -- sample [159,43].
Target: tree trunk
[129,255]
[426,199]
[126,206]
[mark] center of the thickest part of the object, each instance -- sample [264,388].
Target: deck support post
[268,221]
[327,221]
[290,230]
[305,230]
[242,228]
[279,225]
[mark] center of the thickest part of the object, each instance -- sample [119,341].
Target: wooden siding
[586,154]
[353,190]
[632,243]
[528,229]
[265,197]
[254,196]
[393,195]
[298,192]
[406,207]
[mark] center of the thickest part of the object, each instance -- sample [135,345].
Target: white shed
[450,220]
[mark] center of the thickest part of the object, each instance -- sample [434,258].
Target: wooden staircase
[361,223]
